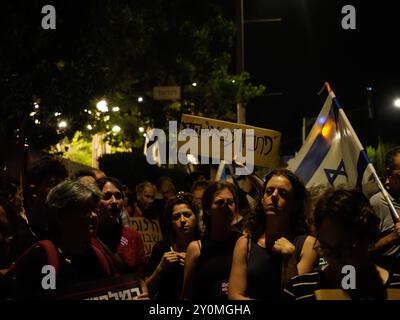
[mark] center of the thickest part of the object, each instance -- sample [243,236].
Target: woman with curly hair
[277,246]
[346,228]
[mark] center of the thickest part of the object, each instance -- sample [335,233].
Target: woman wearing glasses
[277,246]
[346,227]
[165,268]
[208,261]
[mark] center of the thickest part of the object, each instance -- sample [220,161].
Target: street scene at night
[190,151]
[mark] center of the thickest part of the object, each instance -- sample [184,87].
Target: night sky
[293,59]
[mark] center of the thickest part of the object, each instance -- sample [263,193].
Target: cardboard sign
[167,93]
[150,231]
[266,142]
[126,287]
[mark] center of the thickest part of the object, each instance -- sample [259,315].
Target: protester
[387,249]
[346,226]
[70,215]
[45,174]
[277,246]
[124,244]
[208,261]
[145,193]
[165,269]
[166,188]
[197,190]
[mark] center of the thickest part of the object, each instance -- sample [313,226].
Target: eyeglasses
[117,195]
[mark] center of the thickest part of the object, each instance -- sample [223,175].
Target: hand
[145,292]
[284,247]
[396,232]
[167,259]
[181,258]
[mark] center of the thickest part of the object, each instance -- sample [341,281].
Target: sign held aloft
[167,93]
[222,134]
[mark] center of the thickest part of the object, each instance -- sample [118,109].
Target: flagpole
[395,215]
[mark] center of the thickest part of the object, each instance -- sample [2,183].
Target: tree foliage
[118,51]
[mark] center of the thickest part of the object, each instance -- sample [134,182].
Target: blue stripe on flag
[336,103]
[362,164]
[317,153]
[313,159]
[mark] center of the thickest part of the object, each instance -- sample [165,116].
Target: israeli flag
[332,153]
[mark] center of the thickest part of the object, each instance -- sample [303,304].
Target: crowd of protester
[272,240]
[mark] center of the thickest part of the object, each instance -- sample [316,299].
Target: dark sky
[294,57]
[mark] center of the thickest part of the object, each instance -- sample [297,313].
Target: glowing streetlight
[194,84]
[32,114]
[116,129]
[62,124]
[233,81]
[36,106]
[140,99]
[141,129]
[396,103]
[115,109]
[89,127]
[37,121]
[102,106]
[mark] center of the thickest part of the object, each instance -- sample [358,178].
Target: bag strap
[51,253]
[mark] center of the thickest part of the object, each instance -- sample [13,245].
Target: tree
[118,51]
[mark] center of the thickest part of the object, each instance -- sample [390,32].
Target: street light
[396,103]
[116,129]
[62,124]
[102,106]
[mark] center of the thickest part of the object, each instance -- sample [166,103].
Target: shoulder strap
[199,244]
[248,248]
[51,253]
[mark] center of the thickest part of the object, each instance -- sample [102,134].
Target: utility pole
[240,109]
[240,65]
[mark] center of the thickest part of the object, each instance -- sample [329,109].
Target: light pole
[240,66]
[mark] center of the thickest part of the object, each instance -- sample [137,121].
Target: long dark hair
[209,195]
[180,198]
[256,219]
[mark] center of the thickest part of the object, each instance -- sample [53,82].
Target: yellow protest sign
[266,142]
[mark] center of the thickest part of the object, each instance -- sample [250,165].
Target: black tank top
[264,270]
[213,269]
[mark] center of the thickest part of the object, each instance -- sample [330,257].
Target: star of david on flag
[332,154]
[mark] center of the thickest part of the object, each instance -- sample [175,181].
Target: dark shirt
[264,270]
[213,268]
[171,281]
